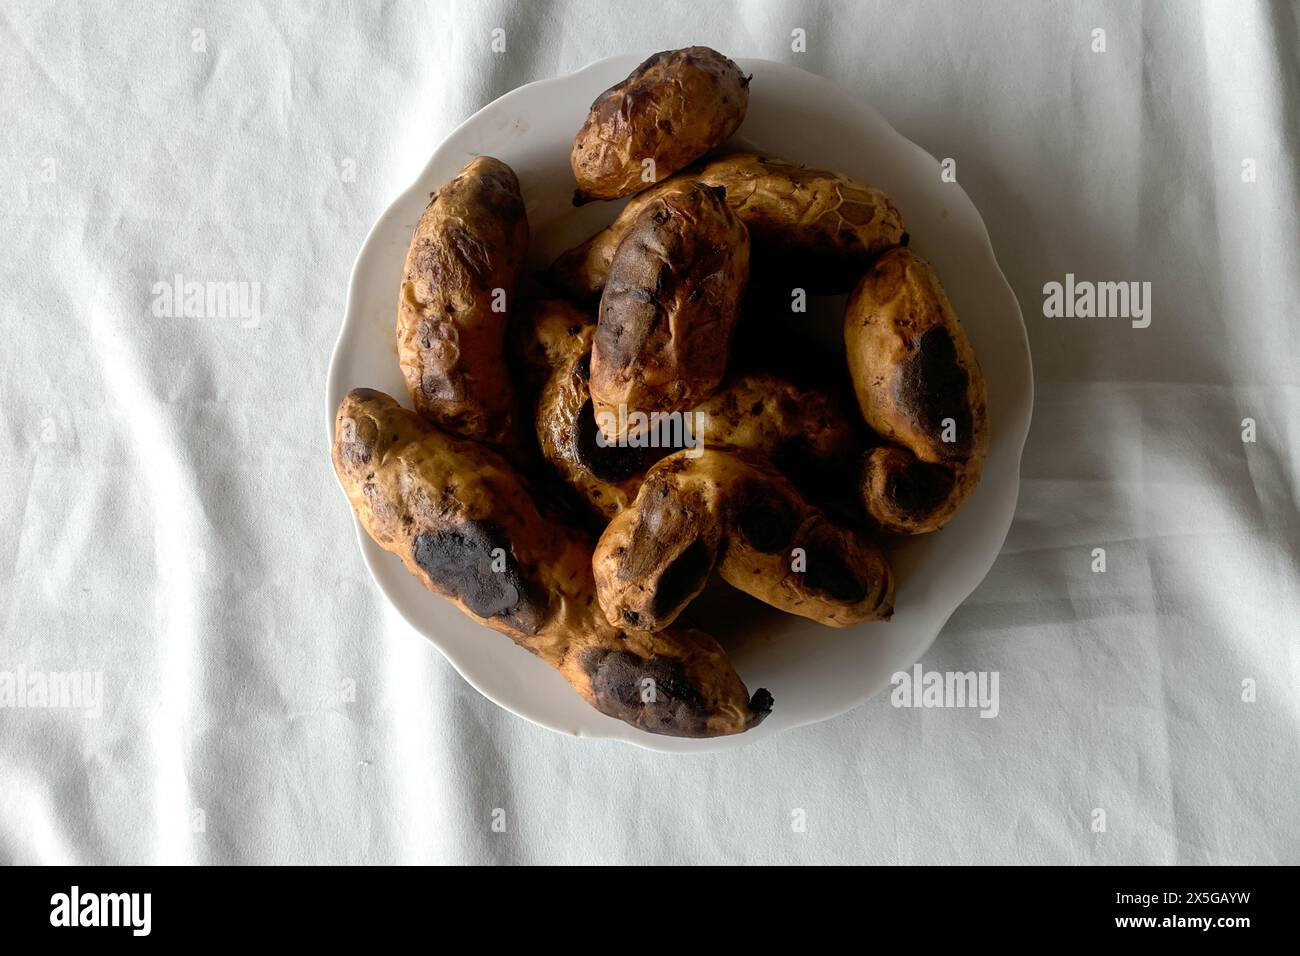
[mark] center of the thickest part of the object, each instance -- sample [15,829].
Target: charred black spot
[828,573]
[682,578]
[931,386]
[654,693]
[766,526]
[919,488]
[612,463]
[459,561]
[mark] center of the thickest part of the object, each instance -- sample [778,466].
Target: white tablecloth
[170,520]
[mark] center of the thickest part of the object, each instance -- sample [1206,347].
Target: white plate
[812,672]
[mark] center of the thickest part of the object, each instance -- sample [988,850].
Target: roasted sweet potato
[921,389]
[669,307]
[461,270]
[671,110]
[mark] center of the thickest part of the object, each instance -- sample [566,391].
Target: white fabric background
[169,516]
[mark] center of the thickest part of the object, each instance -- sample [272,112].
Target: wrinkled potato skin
[912,368]
[471,239]
[673,108]
[670,304]
[819,228]
[451,510]
[736,514]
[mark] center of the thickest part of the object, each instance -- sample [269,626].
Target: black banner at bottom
[336,905]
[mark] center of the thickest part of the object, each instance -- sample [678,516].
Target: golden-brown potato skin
[470,242]
[673,108]
[467,526]
[916,376]
[670,305]
[816,228]
[736,514]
